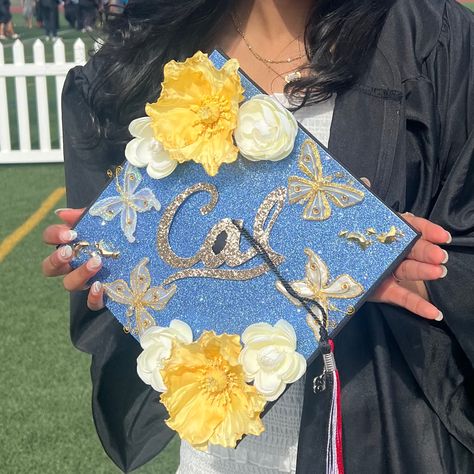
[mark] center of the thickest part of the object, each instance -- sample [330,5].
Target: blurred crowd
[80,14]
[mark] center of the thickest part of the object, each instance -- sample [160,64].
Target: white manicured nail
[96,287]
[439,317]
[446,256]
[94,262]
[68,235]
[450,238]
[445,271]
[65,252]
[61,209]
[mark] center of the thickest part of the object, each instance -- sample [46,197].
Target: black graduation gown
[407,384]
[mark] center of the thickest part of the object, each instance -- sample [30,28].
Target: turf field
[46,424]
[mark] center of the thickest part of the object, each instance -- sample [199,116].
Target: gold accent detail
[139,297]
[230,254]
[316,191]
[391,236]
[92,248]
[371,236]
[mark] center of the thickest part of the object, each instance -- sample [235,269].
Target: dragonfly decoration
[316,286]
[315,191]
[127,203]
[140,296]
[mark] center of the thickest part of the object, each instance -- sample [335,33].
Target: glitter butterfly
[127,203]
[316,285]
[317,190]
[139,297]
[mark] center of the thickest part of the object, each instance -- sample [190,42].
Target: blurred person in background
[70,12]
[87,14]
[6,24]
[28,6]
[50,18]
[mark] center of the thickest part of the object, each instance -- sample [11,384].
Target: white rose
[265,129]
[144,150]
[269,357]
[156,343]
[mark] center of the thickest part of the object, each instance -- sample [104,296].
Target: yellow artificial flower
[207,399]
[196,114]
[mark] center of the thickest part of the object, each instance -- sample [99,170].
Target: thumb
[69,216]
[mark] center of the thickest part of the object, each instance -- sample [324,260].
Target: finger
[77,279]
[429,230]
[426,252]
[400,296]
[58,262]
[69,216]
[413,270]
[58,234]
[95,298]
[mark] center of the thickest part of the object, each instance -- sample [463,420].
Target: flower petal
[269,385]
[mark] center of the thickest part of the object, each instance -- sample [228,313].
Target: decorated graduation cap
[234,246]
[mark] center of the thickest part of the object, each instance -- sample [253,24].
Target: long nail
[446,256]
[61,209]
[445,271]
[65,252]
[94,263]
[96,287]
[439,317]
[366,181]
[450,238]
[68,235]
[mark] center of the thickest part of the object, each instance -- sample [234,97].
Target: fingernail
[409,214]
[61,209]
[94,263]
[96,287]
[65,252]
[439,317]
[450,238]
[68,235]
[366,181]
[445,271]
[446,256]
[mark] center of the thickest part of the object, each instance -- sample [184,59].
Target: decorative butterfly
[317,190]
[127,203]
[317,286]
[139,297]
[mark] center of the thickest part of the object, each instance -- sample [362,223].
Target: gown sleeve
[127,415]
[451,68]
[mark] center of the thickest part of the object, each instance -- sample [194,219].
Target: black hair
[340,37]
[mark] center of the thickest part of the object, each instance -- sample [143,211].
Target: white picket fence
[40,70]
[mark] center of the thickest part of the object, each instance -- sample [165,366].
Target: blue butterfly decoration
[128,202]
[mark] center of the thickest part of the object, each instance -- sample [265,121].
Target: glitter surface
[230,305]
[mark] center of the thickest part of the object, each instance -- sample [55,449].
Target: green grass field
[46,421]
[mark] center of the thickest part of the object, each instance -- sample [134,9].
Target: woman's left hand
[406,287]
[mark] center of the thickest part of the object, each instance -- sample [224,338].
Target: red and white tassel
[334,459]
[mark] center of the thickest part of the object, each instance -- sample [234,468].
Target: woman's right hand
[58,262]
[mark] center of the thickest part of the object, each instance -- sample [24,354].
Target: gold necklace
[258,56]
[290,77]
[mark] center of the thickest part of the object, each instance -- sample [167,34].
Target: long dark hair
[340,36]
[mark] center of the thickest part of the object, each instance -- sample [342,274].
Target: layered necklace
[291,75]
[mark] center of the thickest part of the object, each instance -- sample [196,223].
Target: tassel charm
[329,379]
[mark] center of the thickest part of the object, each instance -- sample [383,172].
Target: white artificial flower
[269,357]
[156,343]
[265,129]
[144,150]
